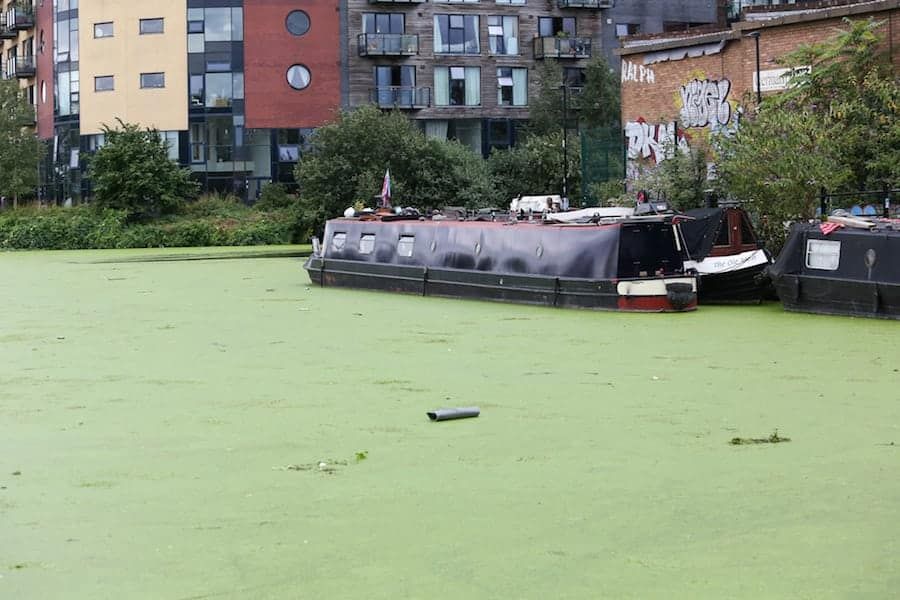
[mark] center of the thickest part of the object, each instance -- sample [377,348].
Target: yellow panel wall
[125,56]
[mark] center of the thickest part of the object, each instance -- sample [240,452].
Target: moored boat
[613,263]
[723,249]
[845,266]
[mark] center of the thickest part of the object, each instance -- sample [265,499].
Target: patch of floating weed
[772,439]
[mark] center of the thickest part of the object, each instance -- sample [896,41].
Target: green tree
[349,157]
[535,167]
[20,150]
[852,88]
[836,128]
[133,172]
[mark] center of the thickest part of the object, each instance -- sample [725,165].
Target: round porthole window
[297,22]
[298,77]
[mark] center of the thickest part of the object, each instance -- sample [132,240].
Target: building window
[455,1]
[223,24]
[298,77]
[456,34]
[823,254]
[503,35]
[457,86]
[554,26]
[512,86]
[395,85]
[103,30]
[626,29]
[574,77]
[153,80]
[151,26]
[519,2]
[297,22]
[104,83]
[383,23]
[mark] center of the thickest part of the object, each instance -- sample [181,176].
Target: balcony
[24,67]
[562,47]
[594,4]
[7,33]
[388,44]
[20,17]
[403,97]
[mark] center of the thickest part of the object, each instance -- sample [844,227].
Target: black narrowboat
[723,249]
[845,266]
[633,264]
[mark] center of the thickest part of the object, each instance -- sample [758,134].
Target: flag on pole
[386,190]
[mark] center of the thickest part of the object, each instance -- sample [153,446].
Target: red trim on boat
[651,304]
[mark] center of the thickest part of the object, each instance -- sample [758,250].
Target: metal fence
[602,159]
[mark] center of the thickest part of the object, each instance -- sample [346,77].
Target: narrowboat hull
[827,296]
[627,265]
[734,279]
[666,294]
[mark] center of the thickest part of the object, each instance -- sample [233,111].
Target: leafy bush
[274,197]
[215,205]
[535,167]
[133,172]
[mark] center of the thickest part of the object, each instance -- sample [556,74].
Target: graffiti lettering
[705,103]
[657,142]
[637,73]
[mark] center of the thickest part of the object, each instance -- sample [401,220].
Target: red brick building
[684,88]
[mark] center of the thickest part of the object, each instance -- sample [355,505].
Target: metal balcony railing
[401,97]
[388,44]
[20,16]
[7,33]
[23,67]
[595,4]
[562,47]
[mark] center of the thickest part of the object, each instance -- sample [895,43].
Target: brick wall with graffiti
[676,95]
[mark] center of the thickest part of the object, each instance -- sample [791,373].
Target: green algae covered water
[220,429]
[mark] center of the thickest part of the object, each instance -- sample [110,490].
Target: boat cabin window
[338,240]
[722,235]
[366,243]
[405,245]
[747,236]
[823,254]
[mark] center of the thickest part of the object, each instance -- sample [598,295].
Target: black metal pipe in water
[446,414]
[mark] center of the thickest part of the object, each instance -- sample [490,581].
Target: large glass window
[512,86]
[553,26]
[456,34]
[219,90]
[457,86]
[503,35]
[395,84]
[223,24]
[383,23]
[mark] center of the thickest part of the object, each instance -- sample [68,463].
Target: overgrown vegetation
[210,221]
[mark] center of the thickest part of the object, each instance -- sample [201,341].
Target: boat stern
[659,294]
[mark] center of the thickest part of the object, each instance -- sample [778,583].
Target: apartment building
[236,86]
[18,46]
[468,69]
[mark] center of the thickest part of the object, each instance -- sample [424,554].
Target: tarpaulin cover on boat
[597,252]
[700,231]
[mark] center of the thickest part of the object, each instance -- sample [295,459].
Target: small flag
[386,190]
[827,228]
